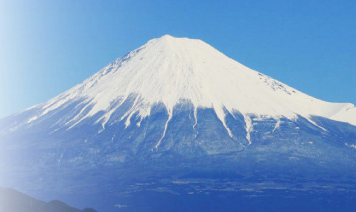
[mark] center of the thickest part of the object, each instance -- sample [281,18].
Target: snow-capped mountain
[174,105]
[170,70]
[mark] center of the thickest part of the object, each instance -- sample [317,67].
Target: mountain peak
[179,45]
[171,38]
[167,36]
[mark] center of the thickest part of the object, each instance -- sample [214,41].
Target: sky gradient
[47,47]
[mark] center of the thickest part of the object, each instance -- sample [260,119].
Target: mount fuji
[175,124]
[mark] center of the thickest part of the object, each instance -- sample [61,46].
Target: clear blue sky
[46,47]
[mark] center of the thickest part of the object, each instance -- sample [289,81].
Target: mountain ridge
[15,201]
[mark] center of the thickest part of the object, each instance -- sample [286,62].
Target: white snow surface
[168,70]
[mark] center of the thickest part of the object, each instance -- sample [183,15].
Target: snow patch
[314,123]
[195,117]
[278,123]
[32,119]
[249,128]
[170,113]
[221,115]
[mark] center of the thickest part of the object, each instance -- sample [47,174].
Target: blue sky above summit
[48,47]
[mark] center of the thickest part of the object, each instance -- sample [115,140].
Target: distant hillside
[14,201]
